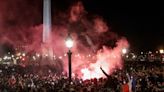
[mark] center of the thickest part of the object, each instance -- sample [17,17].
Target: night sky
[141,23]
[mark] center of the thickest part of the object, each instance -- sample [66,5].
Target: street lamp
[161,51]
[69,44]
[124,51]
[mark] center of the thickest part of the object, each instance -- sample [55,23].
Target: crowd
[133,78]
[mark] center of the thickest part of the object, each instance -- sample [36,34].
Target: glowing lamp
[69,41]
[23,59]
[5,57]
[60,57]
[161,51]
[38,55]
[124,50]
[23,54]
[12,56]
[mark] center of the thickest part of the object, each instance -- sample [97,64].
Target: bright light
[34,57]
[8,57]
[18,54]
[69,41]
[5,57]
[161,51]
[20,57]
[124,50]
[127,56]
[150,52]
[17,58]
[73,74]
[86,73]
[60,57]
[12,56]
[23,59]
[8,52]
[23,54]
[134,57]
[54,57]
[78,55]
[141,52]
[38,55]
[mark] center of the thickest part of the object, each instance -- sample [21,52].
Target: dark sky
[141,22]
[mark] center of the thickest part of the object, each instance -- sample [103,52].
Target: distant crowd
[133,78]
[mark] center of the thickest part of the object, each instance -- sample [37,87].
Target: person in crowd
[111,81]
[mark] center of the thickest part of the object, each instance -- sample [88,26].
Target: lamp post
[69,44]
[124,51]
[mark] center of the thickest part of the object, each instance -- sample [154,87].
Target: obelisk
[46,21]
[46,40]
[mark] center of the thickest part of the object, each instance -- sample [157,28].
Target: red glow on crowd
[109,59]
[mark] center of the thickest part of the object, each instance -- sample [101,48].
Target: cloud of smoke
[95,45]
[76,12]
[109,59]
[100,26]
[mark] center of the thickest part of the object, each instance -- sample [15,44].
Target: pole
[69,65]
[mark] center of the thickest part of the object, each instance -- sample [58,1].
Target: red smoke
[100,26]
[92,48]
[76,12]
[108,58]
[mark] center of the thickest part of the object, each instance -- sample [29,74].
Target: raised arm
[128,76]
[104,72]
